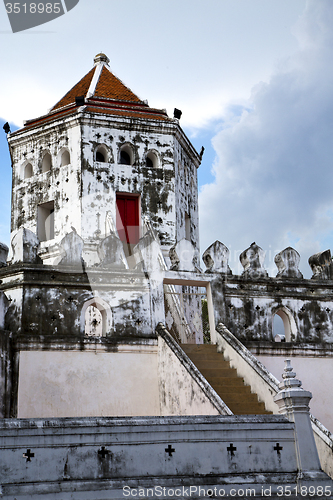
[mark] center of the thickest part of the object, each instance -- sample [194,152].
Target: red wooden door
[128,218]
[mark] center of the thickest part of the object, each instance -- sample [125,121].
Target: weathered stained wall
[45,300]
[61,184]
[247,307]
[6,370]
[187,195]
[101,181]
[109,378]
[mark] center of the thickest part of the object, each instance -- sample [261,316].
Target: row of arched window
[126,156]
[64,159]
[101,154]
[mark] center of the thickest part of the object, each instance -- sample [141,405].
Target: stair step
[218,373]
[239,407]
[232,388]
[217,381]
[234,398]
[250,411]
[199,347]
[224,380]
[205,364]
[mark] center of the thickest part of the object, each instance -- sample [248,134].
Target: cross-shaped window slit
[278,448]
[170,450]
[28,455]
[103,452]
[232,449]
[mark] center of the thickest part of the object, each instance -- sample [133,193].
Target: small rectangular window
[45,221]
[187,227]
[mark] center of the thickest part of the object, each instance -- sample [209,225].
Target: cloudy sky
[253,79]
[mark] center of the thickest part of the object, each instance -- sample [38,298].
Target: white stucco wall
[92,383]
[316,375]
[179,392]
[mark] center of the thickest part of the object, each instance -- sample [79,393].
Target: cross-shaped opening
[28,455]
[170,450]
[231,449]
[278,448]
[103,452]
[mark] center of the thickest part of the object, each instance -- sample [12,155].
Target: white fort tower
[100,159]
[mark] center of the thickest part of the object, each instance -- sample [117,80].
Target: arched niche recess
[27,171]
[126,155]
[96,317]
[65,158]
[46,162]
[101,154]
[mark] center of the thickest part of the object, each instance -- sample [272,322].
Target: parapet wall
[247,307]
[246,304]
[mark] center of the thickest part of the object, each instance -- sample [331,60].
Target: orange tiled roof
[104,94]
[111,87]
[108,86]
[81,88]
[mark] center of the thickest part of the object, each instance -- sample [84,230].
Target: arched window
[28,171]
[149,163]
[101,154]
[187,227]
[278,329]
[152,160]
[46,163]
[100,157]
[65,158]
[284,326]
[126,156]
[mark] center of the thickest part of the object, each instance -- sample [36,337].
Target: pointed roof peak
[101,58]
[102,92]
[99,82]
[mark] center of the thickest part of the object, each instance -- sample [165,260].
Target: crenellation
[247,304]
[287,263]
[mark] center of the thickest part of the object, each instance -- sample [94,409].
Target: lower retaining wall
[76,458]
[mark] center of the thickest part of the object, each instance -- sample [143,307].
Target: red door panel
[128,218]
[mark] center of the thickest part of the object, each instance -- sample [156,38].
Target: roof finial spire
[101,58]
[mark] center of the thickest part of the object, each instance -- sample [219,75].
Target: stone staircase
[224,380]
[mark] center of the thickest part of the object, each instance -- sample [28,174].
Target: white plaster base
[78,384]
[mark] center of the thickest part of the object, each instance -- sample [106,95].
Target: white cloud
[274,172]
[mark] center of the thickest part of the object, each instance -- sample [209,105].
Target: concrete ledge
[287,349]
